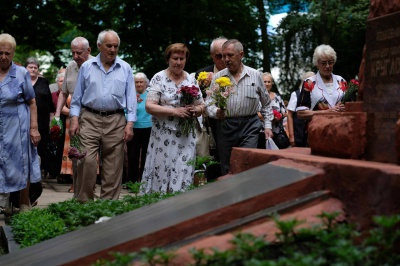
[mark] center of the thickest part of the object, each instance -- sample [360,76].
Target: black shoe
[60,180]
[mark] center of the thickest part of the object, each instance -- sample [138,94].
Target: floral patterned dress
[278,107]
[66,165]
[169,151]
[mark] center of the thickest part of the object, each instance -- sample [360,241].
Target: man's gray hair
[100,38]
[80,40]
[220,38]
[60,75]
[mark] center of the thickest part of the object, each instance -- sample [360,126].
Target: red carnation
[308,85]
[355,82]
[343,85]
[277,114]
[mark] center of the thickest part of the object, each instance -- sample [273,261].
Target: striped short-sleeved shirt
[249,93]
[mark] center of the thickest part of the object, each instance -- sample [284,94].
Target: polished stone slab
[176,218]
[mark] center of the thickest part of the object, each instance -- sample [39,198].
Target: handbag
[281,139]
[270,144]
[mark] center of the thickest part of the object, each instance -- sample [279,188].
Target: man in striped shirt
[239,125]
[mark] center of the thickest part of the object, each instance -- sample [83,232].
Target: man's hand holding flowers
[204,81]
[219,93]
[75,150]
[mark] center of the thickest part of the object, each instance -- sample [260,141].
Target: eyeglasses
[219,56]
[327,63]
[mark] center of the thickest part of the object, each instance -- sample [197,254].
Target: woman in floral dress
[170,149]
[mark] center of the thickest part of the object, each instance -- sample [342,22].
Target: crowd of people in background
[130,127]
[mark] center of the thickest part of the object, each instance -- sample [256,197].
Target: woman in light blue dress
[19,135]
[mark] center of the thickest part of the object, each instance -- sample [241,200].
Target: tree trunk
[264,36]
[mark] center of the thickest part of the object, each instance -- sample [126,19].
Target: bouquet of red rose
[56,130]
[350,92]
[75,150]
[188,95]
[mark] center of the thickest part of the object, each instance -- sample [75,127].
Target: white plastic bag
[270,144]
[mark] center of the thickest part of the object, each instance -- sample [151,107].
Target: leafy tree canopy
[341,24]
[45,28]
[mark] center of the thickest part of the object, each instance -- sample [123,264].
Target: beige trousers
[106,132]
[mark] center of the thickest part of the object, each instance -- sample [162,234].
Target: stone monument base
[340,135]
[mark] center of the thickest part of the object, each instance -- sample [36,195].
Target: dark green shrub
[35,226]
[329,244]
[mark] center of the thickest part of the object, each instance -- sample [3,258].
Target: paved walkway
[54,192]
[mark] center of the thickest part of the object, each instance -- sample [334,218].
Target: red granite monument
[368,129]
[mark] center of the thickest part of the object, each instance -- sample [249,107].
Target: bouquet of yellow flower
[204,80]
[220,92]
[188,95]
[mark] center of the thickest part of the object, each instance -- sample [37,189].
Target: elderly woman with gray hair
[19,161]
[322,92]
[45,106]
[137,147]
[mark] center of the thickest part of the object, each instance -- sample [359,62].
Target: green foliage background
[147,27]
